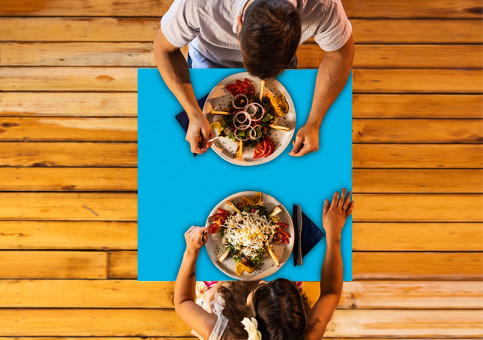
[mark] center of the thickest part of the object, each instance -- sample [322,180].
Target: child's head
[280,310]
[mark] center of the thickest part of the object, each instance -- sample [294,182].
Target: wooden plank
[125,79]
[424,131]
[68,79]
[79,29]
[418,208]
[353,8]
[68,129]
[149,322]
[68,104]
[125,179]
[417,181]
[123,265]
[417,236]
[379,31]
[68,179]
[309,55]
[42,154]
[62,235]
[365,266]
[417,106]
[413,31]
[69,206]
[417,81]
[135,294]
[416,266]
[417,156]
[396,56]
[52,265]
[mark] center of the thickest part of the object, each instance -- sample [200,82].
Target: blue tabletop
[177,190]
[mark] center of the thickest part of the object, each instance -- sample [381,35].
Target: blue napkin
[311,235]
[182,117]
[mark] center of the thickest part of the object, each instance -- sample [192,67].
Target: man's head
[269,36]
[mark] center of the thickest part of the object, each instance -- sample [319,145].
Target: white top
[210,28]
[214,305]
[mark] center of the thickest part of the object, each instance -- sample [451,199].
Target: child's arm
[184,291]
[331,277]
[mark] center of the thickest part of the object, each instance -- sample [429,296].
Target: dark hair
[280,310]
[269,37]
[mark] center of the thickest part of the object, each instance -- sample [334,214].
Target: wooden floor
[68,179]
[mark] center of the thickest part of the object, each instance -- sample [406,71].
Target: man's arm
[173,68]
[184,291]
[331,277]
[332,76]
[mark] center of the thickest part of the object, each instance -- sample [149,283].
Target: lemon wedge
[216,126]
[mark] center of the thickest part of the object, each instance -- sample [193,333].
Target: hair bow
[251,326]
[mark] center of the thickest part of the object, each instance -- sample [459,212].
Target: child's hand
[334,216]
[196,238]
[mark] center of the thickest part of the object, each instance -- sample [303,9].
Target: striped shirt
[210,28]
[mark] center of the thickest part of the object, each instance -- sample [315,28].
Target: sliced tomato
[281,224]
[283,234]
[213,228]
[260,149]
[270,148]
[223,213]
[284,240]
[242,86]
[251,88]
[233,89]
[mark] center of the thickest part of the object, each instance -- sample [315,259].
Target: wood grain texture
[68,104]
[135,54]
[144,29]
[417,81]
[399,56]
[417,236]
[416,265]
[52,265]
[417,106]
[68,129]
[134,294]
[365,266]
[353,8]
[418,208]
[424,131]
[149,322]
[68,179]
[68,79]
[68,154]
[62,235]
[69,206]
[417,156]
[417,181]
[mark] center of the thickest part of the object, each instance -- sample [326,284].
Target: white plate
[219,98]
[266,267]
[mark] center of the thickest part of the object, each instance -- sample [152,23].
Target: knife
[299,241]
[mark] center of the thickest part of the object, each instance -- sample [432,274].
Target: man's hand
[306,141]
[335,214]
[199,133]
[196,238]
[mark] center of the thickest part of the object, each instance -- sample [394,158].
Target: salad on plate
[249,118]
[248,231]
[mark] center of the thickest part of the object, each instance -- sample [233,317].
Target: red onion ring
[254,128]
[252,114]
[237,96]
[244,124]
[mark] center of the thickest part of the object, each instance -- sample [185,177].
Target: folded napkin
[311,235]
[182,117]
